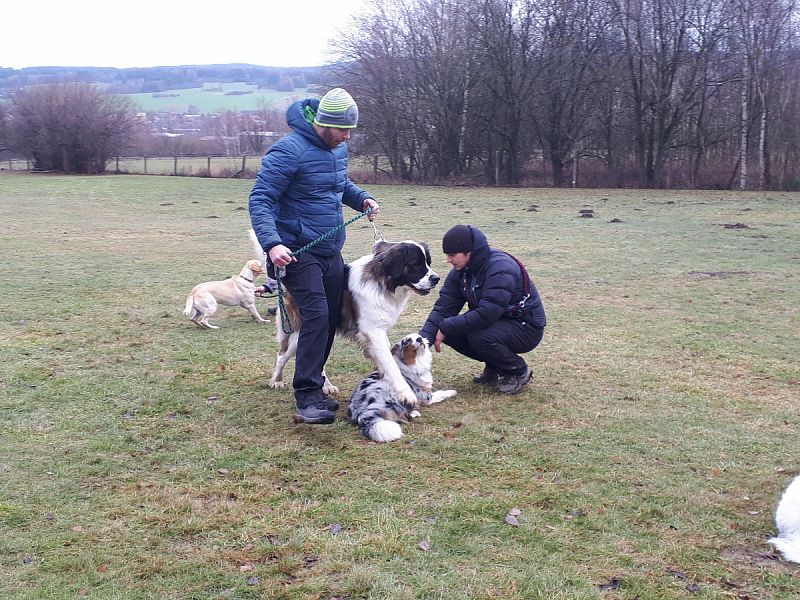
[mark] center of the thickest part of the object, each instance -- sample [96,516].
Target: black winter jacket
[490,284]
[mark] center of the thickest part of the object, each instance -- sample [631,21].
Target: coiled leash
[281,271]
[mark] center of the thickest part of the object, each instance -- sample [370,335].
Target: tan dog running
[234,291]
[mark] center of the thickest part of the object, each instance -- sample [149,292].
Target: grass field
[141,457]
[211,98]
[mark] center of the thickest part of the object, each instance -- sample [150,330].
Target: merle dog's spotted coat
[375,406]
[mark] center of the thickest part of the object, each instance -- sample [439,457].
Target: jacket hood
[296,119]
[480,249]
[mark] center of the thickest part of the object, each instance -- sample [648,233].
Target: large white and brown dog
[378,288]
[238,290]
[375,407]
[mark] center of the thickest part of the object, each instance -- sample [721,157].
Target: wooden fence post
[244,159]
[145,165]
[208,163]
[375,169]
[175,166]
[118,165]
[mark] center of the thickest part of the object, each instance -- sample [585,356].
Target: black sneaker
[314,415]
[513,384]
[488,377]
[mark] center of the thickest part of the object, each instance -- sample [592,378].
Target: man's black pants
[316,284]
[499,345]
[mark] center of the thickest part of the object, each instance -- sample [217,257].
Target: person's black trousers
[499,345]
[316,284]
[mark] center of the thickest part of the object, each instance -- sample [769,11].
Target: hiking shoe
[488,377]
[330,403]
[315,415]
[513,384]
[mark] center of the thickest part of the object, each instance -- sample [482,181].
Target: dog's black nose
[434,279]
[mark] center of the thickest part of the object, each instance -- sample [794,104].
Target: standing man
[505,316]
[297,197]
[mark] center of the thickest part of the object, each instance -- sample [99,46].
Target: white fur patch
[385,431]
[787,518]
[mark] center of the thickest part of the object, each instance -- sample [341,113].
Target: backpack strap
[515,309]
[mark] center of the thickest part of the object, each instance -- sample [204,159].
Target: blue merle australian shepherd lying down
[376,408]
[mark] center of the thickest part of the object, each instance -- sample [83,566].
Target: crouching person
[504,318]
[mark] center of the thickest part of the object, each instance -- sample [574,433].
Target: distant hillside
[217,97]
[160,79]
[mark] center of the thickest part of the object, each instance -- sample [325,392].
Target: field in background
[215,97]
[141,457]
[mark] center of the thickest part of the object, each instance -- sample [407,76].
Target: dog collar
[246,279]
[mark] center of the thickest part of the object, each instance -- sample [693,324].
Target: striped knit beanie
[337,109]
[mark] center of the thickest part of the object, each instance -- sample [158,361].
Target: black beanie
[457,239]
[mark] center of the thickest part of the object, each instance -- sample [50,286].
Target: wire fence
[367,169]
[15,164]
[187,166]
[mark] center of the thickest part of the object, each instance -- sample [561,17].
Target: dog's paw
[329,389]
[408,397]
[276,385]
[414,414]
[441,395]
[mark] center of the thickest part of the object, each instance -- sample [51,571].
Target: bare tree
[411,65]
[667,45]
[507,47]
[71,127]
[763,30]
[571,74]
[375,69]
[648,88]
[4,141]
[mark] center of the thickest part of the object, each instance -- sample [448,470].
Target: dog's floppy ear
[393,261]
[381,246]
[255,266]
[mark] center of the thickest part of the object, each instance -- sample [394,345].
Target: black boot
[513,384]
[488,377]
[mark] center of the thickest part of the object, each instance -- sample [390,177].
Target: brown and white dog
[378,287]
[374,405]
[238,290]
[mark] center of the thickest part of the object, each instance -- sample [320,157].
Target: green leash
[281,271]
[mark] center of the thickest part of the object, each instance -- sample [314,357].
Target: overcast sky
[148,33]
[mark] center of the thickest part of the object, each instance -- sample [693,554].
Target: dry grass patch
[141,457]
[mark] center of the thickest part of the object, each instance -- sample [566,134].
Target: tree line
[612,93]
[647,93]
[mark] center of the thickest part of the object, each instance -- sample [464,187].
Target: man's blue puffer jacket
[300,188]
